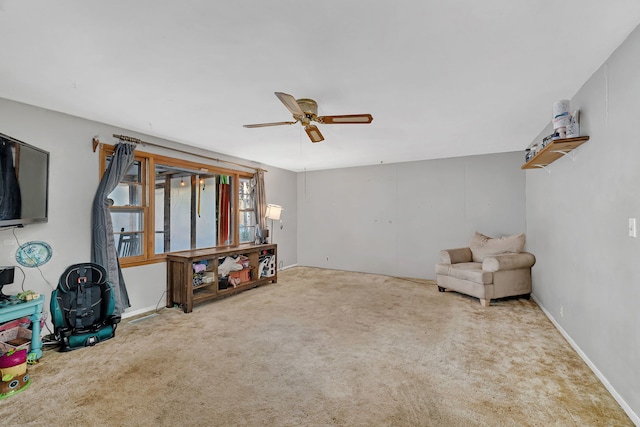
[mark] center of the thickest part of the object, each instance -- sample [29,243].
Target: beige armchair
[488,269]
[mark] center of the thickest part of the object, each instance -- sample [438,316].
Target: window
[128,211]
[165,205]
[186,209]
[247,212]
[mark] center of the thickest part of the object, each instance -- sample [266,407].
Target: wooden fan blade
[314,133]
[291,104]
[346,118]
[262,125]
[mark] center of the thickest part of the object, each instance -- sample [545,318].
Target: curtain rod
[96,141]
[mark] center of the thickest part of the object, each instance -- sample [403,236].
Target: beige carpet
[324,348]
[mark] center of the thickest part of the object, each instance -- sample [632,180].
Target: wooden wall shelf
[553,151]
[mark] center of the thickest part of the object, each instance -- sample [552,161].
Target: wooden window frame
[148,166]
[241,211]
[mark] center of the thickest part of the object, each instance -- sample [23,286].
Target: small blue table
[15,310]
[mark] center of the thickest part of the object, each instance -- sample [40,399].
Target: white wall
[394,219]
[74,177]
[588,272]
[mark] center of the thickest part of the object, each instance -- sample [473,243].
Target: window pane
[245,195]
[127,195]
[180,214]
[127,230]
[206,232]
[245,202]
[160,246]
[247,227]
[129,244]
[185,214]
[247,224]
[127,220]
[247,234]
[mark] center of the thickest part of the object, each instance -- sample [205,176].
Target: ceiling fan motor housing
[309,106]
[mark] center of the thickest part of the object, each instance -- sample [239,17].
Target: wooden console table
[33,309]
[193,276]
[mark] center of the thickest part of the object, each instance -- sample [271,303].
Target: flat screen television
[24,183]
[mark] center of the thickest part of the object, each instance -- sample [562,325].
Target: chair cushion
[471,271]
[484,246]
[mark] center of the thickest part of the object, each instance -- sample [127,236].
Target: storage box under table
[16,338]
[244,275]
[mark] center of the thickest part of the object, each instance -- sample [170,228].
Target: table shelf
[180,273]
[33,309]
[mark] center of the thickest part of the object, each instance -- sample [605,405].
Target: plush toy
[28,295]
[13,373]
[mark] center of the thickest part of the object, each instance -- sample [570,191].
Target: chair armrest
[454,256]
[508,261]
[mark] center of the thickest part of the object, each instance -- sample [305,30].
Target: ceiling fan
[305,111]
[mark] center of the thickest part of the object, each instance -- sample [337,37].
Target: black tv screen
[24,183]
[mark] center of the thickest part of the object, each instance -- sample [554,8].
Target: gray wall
[394,219]
[588,276]
[74,177]
[281,186]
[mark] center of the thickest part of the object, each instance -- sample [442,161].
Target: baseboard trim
[152,308]
[139,311]
[625,407]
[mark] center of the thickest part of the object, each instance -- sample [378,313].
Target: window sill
[124,263]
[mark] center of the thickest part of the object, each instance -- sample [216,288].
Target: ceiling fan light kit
[305,111]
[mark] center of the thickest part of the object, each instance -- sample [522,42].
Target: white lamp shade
[273,212]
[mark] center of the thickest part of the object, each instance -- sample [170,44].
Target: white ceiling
[441,78]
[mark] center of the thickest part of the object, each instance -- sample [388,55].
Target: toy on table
[28,295]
